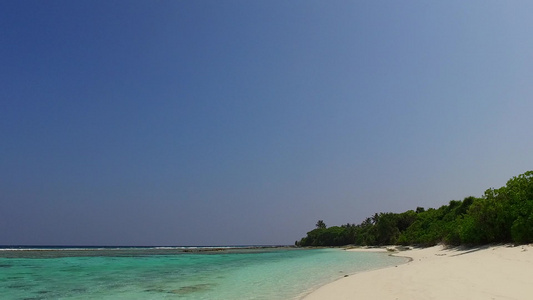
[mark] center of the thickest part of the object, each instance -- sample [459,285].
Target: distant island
[503,215]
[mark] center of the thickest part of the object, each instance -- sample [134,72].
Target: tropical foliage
[500,216]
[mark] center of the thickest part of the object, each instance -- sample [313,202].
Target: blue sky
[244,122]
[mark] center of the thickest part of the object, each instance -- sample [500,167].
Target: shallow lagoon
[172,273]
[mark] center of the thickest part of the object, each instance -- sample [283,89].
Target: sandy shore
[490,272]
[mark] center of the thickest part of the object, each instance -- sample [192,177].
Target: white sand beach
[488,272]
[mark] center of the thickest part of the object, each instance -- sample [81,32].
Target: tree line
[503,215]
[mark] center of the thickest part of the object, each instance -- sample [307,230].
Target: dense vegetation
[501,215]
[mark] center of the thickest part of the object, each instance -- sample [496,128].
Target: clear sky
[244,122]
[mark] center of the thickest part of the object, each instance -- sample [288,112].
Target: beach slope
[488,272]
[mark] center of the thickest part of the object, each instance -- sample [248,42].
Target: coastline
[486,272]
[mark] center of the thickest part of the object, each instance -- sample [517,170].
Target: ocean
[193,273]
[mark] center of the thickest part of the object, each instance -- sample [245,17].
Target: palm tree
[320,224]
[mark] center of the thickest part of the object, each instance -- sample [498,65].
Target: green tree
[501,215]
[320,224]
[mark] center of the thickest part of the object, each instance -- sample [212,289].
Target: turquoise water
[175,274]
